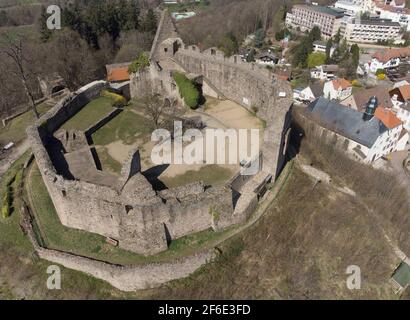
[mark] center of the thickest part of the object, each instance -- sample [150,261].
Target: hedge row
[119,100]
[187,89]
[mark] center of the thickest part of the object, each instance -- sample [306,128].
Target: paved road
[16,153]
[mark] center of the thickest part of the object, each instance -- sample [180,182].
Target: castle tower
[370,108]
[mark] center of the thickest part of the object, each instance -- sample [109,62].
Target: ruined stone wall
[79,204]
[253,87]
[134,214]
[126,278]
[241,82]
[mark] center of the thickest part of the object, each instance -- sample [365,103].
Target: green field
[90,114]
[108,163]
[127,127]
[15,130]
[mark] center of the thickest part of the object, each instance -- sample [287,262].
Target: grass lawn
[10,233]
[127,126]
[15,130]
[107,162]
[90,114]
[210,175]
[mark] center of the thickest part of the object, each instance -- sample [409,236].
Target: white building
[371,31]
[388,58]
[266,58]
[365,136]
[320,46]
[324,72]
[306,17]
[338,89]
[308,94]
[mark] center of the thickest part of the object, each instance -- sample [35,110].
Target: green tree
[251,56]
[229,45]
[111,22]
[316,59]
[150,22]
[337,37]
[259,38]
[45,32]
[281,34]
[133,13]
[139,64]
[355,52]
[329,45]
[315,34]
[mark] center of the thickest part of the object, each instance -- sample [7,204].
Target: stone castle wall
[125,278]
[136,216]
[142,220]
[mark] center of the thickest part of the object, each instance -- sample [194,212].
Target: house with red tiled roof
[118,72]
[388,58]
[338,89]
[388,117]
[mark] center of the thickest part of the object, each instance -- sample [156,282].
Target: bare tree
[159,111]
[13,49]
[73,60]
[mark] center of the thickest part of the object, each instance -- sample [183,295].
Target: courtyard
[131,130]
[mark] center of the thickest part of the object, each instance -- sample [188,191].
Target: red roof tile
[388,118]
[341,83]
[118,74]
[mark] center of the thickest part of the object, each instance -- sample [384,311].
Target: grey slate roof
[322,9]
[317,89]
[345,121]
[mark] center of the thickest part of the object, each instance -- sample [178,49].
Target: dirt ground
[218,115]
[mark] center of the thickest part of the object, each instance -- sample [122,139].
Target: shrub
[187,89]
[119,100]
[381,76]
[139,64]
[6,210]
[356,83]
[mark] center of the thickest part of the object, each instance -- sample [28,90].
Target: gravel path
[16,153]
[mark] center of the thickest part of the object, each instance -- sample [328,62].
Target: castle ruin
[127,208]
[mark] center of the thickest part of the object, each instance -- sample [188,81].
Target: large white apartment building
[307,16]
[370,31]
